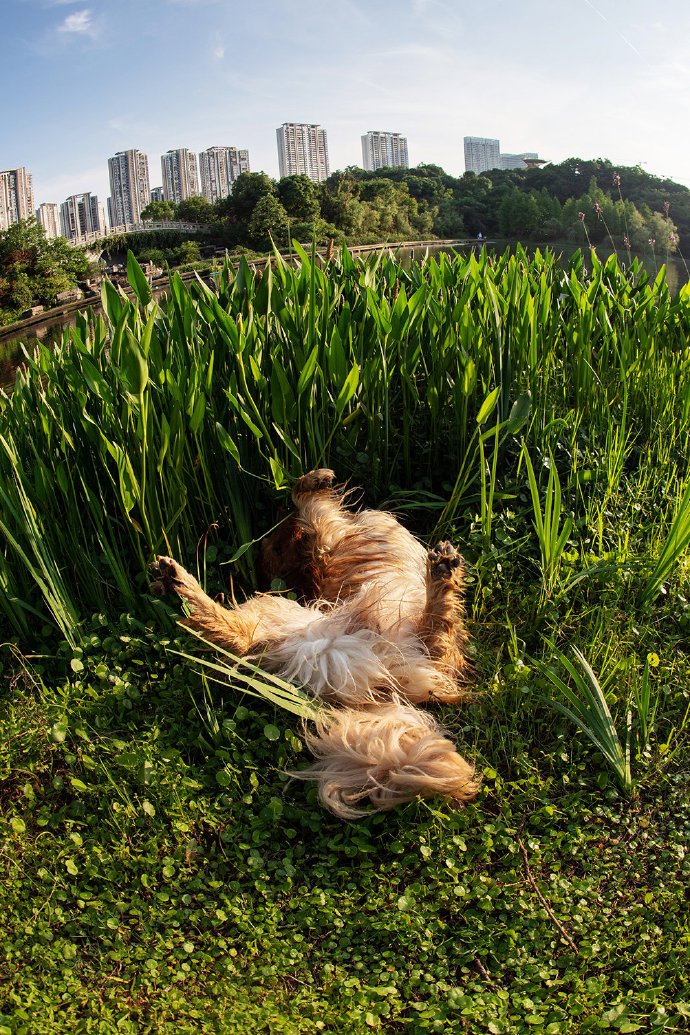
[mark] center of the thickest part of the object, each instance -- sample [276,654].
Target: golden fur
[379,630]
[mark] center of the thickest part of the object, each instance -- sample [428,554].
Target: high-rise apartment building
[382,150]
[482,154]
[48,215]
[16,196]
[80,214]
[129,187]
[157,194]
[219,167]
[303,148]
[180,178]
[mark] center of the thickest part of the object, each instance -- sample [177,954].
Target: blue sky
[82,79]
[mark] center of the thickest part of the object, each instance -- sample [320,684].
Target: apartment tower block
[482,154]
[219,167]
[180,178]
[303,149]
[16,196]
[384,150]
[80,214]
[129,187]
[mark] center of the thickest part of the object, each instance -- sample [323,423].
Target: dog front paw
[445,563]
[314,481]
[167,577]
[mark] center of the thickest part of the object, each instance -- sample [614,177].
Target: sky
[83,79]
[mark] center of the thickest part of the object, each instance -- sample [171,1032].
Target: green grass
[160,873]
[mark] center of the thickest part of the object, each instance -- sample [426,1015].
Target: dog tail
[383,757]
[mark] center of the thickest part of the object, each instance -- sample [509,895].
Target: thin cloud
[79,23]
[218,49]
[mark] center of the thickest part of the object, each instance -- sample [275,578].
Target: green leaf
[488,406]
[348,390]
[308,370]
[58,732]
[137,279]
[228,443]
[197,418]
[519,413]
[133,364]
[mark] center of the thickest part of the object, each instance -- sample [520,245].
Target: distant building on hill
[219,167]
[303,149]
[180,177]
[48,215]
[130,191]
[517,161]
[80,214]
[16,196]
[384,150]
[482,154]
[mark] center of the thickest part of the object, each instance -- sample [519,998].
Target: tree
[269,223]
[158,211]
[300,197]
[195,210]
[247,191]
[341,205]
[35,270]
[188,251]
[518,214]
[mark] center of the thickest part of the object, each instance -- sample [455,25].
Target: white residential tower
[129,187]
[303,149]
[180,178]
[219,167]
[384,150]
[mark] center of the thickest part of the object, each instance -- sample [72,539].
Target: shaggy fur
[380,629]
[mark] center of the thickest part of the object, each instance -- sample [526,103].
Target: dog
[379,628]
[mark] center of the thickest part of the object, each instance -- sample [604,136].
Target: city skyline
[585,82]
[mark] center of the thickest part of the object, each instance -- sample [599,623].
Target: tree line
[577,201]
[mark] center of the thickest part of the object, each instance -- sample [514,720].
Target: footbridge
[97,236]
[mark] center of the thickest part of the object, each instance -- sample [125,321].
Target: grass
[160,875]
[160,872]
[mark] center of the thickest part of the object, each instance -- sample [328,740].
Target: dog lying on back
[381,630]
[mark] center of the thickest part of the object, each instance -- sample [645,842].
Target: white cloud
[79,23]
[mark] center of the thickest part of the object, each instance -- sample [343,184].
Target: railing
[135,228]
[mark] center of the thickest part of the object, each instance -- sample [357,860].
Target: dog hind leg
[241,630]
[441,626]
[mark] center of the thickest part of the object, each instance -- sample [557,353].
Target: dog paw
[167,577]
[445,562]
[314,481]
